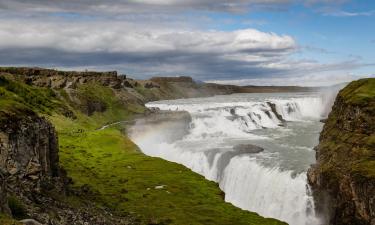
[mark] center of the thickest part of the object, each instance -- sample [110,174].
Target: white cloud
[128,38]
[154,49]
[167,6]
[349,14]
[310,80]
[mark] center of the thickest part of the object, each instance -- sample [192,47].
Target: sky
[243,42]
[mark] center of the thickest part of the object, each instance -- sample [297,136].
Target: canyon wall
[344,176]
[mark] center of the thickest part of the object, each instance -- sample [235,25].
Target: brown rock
[4,208]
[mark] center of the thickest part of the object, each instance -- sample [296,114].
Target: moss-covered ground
[361,92]
[113,170]
[6,220]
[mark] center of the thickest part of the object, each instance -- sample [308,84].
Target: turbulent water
[271,183]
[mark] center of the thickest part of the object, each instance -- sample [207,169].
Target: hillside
[58,167]
[345,156]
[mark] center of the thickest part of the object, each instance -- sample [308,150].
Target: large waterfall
[271,183]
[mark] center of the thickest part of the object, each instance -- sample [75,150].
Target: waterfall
[207,149]
[271,192]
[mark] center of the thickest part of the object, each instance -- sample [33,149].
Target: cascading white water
[271,183]
[270,192]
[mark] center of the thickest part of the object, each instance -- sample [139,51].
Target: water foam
[268,191]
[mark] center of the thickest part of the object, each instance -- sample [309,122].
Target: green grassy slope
[113,170]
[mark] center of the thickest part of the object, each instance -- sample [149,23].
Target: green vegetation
[360,92]
[112,170]
[15,93]
[128,181]
[348,143]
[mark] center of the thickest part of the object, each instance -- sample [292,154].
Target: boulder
[273,109]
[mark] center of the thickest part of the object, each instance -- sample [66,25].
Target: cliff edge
[344,174]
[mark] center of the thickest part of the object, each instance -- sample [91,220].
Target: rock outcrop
[4,207]
[65,79]
[247,149]
[28,146]
[31,177]
[344,174]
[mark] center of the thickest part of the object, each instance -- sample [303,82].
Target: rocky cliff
[344,175]
[28,146]
[64,79]
[32,184]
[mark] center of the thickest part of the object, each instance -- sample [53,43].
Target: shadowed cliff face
[28,146]
[345,156]
[32,185]
[28,156]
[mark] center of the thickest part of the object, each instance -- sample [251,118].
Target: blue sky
[316,28]
[275,42]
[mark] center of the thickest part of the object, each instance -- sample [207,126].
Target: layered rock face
[345,168]
[28,147]
[28,155]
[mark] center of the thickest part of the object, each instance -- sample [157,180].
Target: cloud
[334,2]
[123,37]
[349,14]
[144,50]
[132,6]
[167,6]
[116,44]
[321,79]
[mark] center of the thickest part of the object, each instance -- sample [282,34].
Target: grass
[359,92]
[113,170]
[41,100]
[125,180]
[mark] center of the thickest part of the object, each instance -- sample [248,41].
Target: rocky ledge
[344,176]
